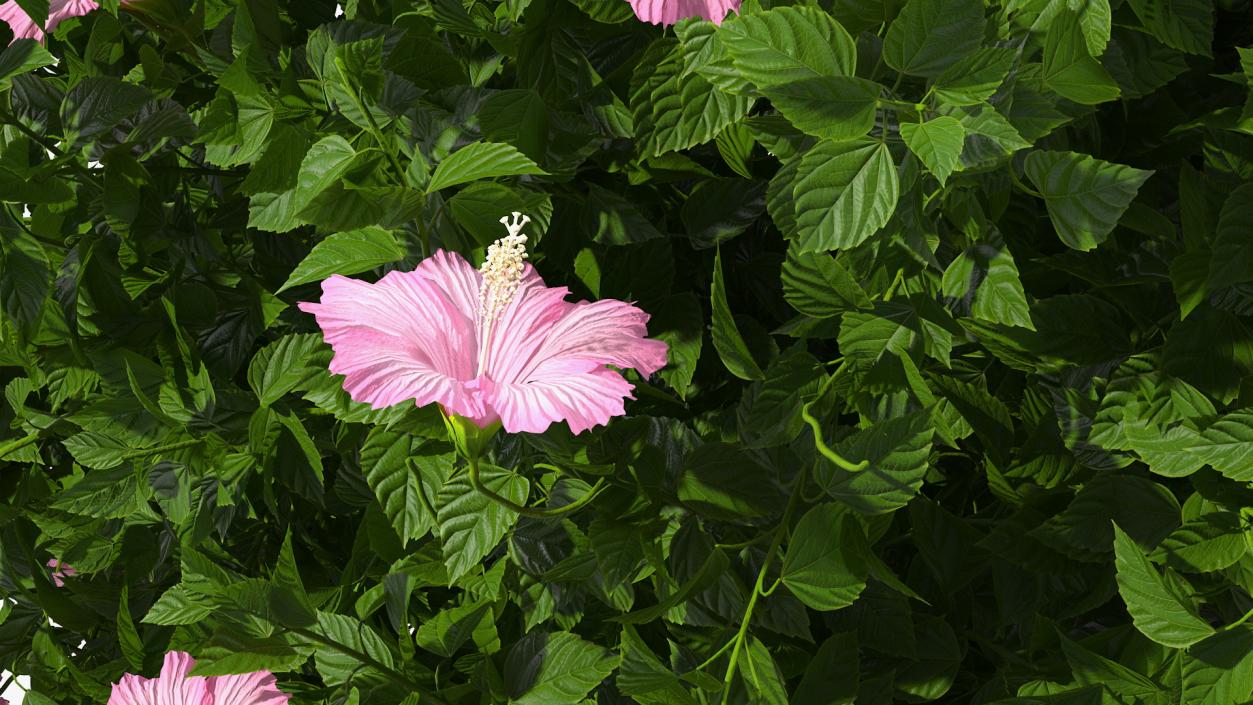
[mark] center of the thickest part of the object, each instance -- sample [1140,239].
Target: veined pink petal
[245,689]
[61,10]
[668,12]
[60,571]
[172,687]
[409,336]
[21,24]
[581,393]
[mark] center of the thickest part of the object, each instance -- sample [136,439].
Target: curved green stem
[1013,176]
[1247,616]
[759,588]
[511,505]
[18,444]
[820,444]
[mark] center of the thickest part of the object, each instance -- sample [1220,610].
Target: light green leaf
[679,321]
[844,194]
[817,285]
[385,463]
[325,162]
[1157,611]
[23,55]
[787,44]
[1210,543]
[1085,196]
[726,336]
[555,668]
[279,367]
[481,160]
[470,524]
[345,253]
[928,36]
[897,450]
[178,605]
[1069,69]
[938,143]
[828,107]
[975,78]
[989,275]
[673,111]
[1219,670]
[1228,446]
[823,566]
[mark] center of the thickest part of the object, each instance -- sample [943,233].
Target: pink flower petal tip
[667,12]
[58,11]
[490,345]
[61,571]
[175,687]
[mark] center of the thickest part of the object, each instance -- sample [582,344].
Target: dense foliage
[1000,251]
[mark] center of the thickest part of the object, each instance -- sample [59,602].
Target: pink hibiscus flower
[175,687]
[61,571]
[495,345]
[671,11]
[58,11]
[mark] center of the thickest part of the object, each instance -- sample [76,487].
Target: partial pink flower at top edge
[61,571]
[175,687]
[668,12]
[58,11]
[489,345]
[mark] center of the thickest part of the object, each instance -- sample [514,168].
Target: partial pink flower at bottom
[668,12]
[175,687]
[495,345]
[61,571]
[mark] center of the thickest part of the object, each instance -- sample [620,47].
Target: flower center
[503,268]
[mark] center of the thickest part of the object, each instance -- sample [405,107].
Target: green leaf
[1219,670]
[1227,446]
[97,104]
[823,566]
[23,55]
[938,143]
[788,44]
[896,450]
[325,162]
[770,411]
[481,160]
[1069,69]
[929,36]
[1211,543]
[470,524]
[673,111]
[817,285]
[1186,25]
[721,481]
[1085,196]
[346,253]
[726,336]
[555,668]
[178,605]
[679,321]
[828,107]
[1232,258]
[385,461]
[833,673]
[976,77]
[280,366]
[846,191]
[987,276]
[1157,611]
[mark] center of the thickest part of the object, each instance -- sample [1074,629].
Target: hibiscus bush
[670,352]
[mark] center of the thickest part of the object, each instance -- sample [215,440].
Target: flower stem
[759,588]
[820,444]
[18,444]
[532,512]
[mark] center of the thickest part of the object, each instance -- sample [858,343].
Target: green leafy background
[1001,251]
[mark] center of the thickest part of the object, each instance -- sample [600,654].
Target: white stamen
[503,268]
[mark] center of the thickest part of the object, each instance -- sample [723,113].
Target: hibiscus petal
[606,332]
[668,12]
[61,10]
[246,689]
[133,690]
[457,278]
[581,393]
[17,19]
[174,686]
[405,337]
